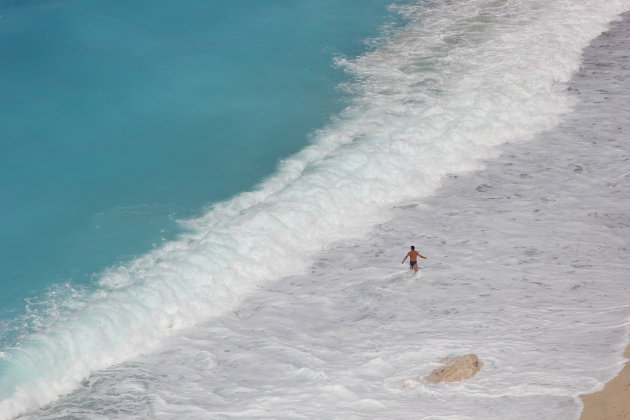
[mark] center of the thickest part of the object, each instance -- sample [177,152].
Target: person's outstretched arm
[405,258]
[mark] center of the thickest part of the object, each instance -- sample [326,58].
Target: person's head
[413,247]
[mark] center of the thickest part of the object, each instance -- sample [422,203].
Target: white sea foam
[434,99]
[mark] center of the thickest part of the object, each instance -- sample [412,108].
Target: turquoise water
[121,117]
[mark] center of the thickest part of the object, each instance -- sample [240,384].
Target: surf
[436,98]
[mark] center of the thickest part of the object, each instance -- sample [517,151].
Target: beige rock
[456,369]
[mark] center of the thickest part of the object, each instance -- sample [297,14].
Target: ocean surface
[119,119]
[205,205]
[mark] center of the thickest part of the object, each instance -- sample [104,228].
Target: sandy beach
[612,402]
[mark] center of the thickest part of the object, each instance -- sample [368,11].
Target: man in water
[413,258]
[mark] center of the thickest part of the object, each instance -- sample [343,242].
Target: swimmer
[413,258]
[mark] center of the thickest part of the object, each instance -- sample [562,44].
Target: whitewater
[289,301]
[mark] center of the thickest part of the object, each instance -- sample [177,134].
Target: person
[413,258]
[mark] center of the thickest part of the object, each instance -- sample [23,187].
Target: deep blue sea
[118,118]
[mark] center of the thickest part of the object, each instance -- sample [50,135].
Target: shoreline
[613,401]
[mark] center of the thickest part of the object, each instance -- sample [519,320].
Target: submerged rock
[456,369]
